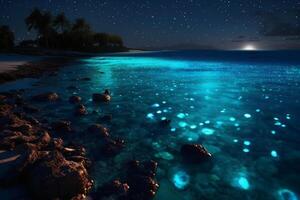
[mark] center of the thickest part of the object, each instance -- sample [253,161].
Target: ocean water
[242,106]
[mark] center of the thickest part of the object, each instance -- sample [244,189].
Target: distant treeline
[58,32]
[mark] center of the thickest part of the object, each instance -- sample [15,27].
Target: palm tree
[6,38]
[61,22]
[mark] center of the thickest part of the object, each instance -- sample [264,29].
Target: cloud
[279,25]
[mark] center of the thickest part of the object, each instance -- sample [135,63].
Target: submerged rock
[75,99]
[194,153]
[81,110]
[98,129]
[49,96]
[104,97]
[113,190]
[113,146]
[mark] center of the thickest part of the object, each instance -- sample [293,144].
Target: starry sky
[220,24]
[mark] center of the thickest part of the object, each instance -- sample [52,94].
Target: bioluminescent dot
[181,115]
[181,179]
[235,140]
[207,122]
[273,132]
[232,119]
[223,110]
[285,194]
[276,118]
[243,183]
[150,115]
[193,126]
[236,124]
[158,112]
[165,110]
[156,105]
[192,107]
[247,115]
[247,143]
[201,124]
[164,155]
[257,110]
[192,99]
[277,123]
[207,131]
[164,102]
[182,124]
[274,153]
[246,150]
[163,118]
[173,129]
[283,125]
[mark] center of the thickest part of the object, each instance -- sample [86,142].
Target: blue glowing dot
[247,115]
[222,111]
[232,119]
[163,118]
[156,105]
[243,183]
[150,115]
[274,154]
[246,150]
[158,112]
[182,124]
[273,132]
[193,126]
[207,131]
[181,115]
[277,124]
[207,122]
[235,140]
[219,122]
[173,129]
[165,110]
[181,179]
[285,194]
[247,143]
[283,125]
[201,124]
[164,102]
[276,118]
[257,110]
[236,124]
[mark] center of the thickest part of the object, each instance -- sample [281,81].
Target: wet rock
[49,96]
[112,147]
[112,190]
[75,99]
[194,153]
[58,178]
[62,126]
[104,97]
[140,178]
[98,129]
[81,110]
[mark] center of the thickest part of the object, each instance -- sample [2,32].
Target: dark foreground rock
[80,110]
[75,99]
[104,97]
[49,96]
[194,153]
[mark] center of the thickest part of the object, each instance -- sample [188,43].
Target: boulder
[81,110]
[49,96]
[104,97]
[194,153]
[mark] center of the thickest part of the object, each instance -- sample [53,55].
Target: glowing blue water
[244,111]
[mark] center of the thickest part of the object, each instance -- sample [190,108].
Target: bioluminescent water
[243,107]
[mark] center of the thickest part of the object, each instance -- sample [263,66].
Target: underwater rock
[140,178]
[194,153]
[75,99]
[49,96]
[58,178]
[105,97]
[81,110]
[113,190]
[61,126]
[99,130]
[113,146]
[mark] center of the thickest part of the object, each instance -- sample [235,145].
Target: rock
[99,98]
[75,99]
[81,110]
[113,190]
[112,147]
[194,153]
[10,161]
[140,178]
[99,130]
[49,96]
[62,126]
[57,178]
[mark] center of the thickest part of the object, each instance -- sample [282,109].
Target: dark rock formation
[194,153]
[49,96]
[104,97]
[98,129]
[75,99]
[62,126]
[81,110]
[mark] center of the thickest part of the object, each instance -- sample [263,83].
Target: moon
[249,47]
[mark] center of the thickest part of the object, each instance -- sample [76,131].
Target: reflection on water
[245,114]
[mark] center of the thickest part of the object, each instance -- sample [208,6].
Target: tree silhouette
[61,23]
[6,38]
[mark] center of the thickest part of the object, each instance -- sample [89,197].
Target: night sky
[222,24]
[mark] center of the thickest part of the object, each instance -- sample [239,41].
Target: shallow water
[244,110]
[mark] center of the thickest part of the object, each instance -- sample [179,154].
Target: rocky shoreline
[37,158]
[34,69]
